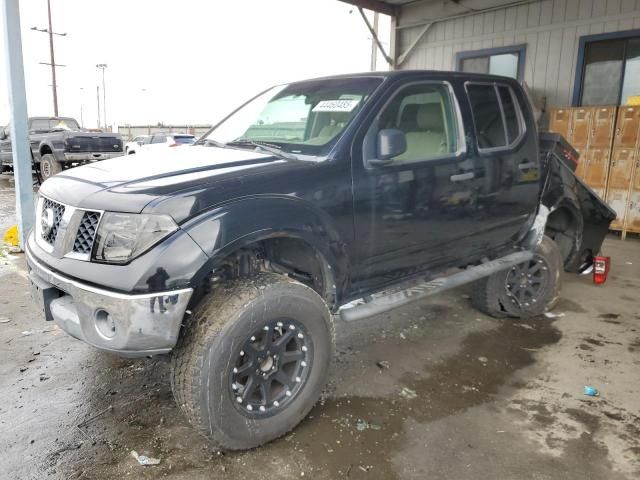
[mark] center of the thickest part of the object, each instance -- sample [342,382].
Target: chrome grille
[49,234]
[86,232]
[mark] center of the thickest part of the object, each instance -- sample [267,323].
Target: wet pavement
[434,390]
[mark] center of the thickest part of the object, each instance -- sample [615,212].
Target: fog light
[105,324]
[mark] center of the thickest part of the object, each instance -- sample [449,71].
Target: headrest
[430,117]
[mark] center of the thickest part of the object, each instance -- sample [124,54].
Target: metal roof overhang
[404,16]
[392,7]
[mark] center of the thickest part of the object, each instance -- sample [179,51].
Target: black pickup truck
[58,143]
[336,197]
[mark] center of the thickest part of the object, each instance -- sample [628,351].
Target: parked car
[161,140]
[347,195]
[135,144]
[58,143]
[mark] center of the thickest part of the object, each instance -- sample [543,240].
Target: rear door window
[497,116]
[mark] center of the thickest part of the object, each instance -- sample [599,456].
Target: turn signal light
[601,266]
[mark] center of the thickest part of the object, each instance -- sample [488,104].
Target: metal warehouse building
[580,59]
[549,44]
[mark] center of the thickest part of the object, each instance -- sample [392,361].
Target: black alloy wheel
[271,368]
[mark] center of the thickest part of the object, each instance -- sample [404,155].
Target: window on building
[505,61]
[610,72]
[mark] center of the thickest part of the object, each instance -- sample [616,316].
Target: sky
[187,61]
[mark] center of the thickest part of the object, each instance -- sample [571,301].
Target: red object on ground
[601,267]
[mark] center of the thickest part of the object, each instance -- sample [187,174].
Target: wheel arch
[565,226]
[288,231]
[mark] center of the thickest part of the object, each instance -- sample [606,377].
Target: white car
[160,140]
[134,145]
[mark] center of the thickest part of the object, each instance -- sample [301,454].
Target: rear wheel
[49,166]
[524,290]
[253,360]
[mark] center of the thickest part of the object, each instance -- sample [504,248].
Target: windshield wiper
[267,147]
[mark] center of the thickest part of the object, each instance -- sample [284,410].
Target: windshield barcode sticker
[336,105]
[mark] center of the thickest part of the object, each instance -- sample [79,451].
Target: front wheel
[253,359]
[525,290]
[49,166]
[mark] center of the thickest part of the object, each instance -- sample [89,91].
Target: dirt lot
[464,396]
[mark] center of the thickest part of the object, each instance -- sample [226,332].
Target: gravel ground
[434,390]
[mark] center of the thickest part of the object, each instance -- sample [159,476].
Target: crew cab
[58,143]
[338,197]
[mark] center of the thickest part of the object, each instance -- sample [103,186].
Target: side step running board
[383,302]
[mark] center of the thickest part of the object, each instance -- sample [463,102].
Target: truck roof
[483,77]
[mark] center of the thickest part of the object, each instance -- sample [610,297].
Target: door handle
[462,177]
[527,165]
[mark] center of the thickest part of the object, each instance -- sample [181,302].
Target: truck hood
[129,183]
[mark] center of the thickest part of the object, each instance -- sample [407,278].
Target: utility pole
[374,45]
[82,107]
[103,66]
[12,46]
[98,97]
[52,62]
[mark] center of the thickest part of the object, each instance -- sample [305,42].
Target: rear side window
[158,139]
[496,115]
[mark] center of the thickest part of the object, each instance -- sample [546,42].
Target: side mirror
[391,143]
[3,134]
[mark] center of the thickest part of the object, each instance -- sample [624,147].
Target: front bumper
[136,325]
[84,157]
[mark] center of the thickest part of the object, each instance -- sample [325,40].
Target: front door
[411,211]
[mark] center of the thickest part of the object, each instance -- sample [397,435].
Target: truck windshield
[43,125]
[299,118]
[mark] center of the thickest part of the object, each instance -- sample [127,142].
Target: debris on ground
[144,460]
[362,425]
[382,364]
[591,391]
[403,336]
[26,333]
[553,315]
[483,359]
[408,393]
[4,320]
[525,326]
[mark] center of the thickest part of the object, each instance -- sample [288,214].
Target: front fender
[242,222]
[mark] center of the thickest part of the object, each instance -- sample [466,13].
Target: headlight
[123,236]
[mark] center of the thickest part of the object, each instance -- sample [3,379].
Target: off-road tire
[491,295]
[49,166]
[203,358]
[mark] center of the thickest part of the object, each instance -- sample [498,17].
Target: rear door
[505,146]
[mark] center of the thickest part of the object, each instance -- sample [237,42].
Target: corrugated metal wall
[550,28]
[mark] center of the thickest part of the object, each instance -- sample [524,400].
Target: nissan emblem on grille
[46,222]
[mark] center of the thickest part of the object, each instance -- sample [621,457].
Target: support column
[22,164]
